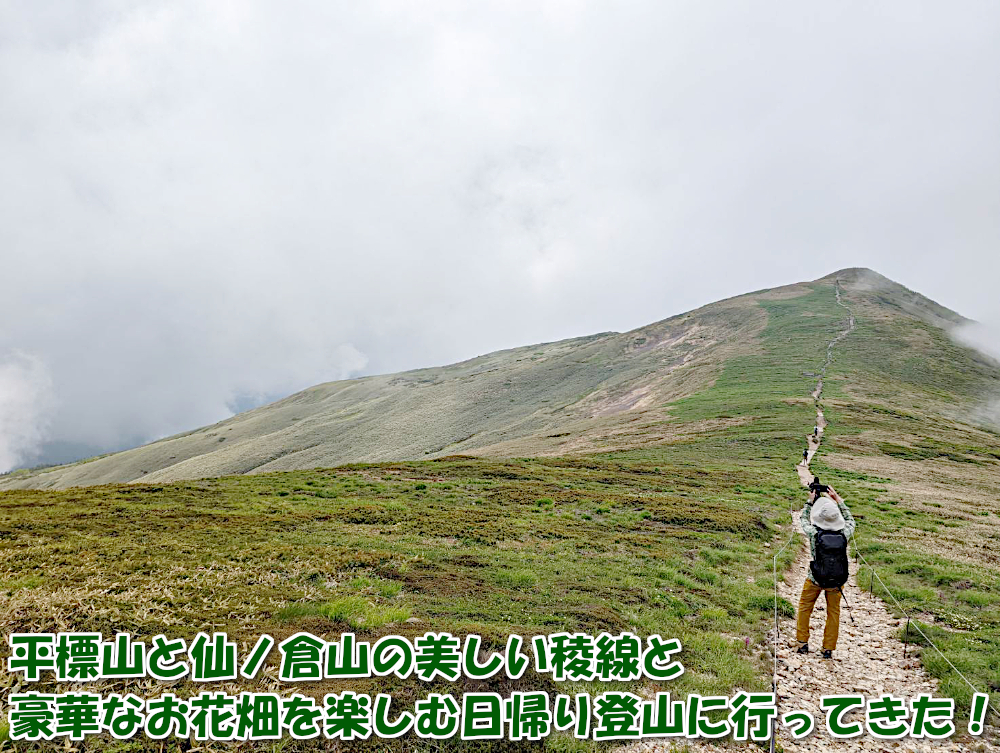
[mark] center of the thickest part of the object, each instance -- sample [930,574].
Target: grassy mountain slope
[604,392]
[601,392]
[662,518]
[904,403]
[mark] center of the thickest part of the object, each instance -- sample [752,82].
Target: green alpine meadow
[635,482]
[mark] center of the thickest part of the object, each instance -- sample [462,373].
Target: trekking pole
[844,597]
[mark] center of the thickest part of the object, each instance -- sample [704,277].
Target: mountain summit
[603,392]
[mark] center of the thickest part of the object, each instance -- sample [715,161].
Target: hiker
[805,456]
[816,430]
[828,524]
[817,489]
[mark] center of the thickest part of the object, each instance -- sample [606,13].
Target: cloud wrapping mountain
[25,407]
[207,205]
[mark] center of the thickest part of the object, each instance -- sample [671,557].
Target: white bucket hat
[825,514]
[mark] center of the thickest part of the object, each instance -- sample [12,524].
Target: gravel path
[870,659]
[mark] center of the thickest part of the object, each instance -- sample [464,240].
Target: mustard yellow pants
[811,592]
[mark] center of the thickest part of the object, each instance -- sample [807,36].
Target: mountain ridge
[604,391]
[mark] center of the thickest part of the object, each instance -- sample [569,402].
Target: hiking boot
[827,653]
[802,649]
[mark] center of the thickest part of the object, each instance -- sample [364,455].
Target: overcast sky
[203,205]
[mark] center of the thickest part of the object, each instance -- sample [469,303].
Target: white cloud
[984,337]
[25,405]
[205,201]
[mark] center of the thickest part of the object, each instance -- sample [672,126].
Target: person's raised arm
[807,527]
[849,524]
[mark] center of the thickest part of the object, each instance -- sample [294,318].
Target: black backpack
[829,569]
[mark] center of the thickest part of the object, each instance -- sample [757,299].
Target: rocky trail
[870,658]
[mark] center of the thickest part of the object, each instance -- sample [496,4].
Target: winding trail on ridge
[816,437]
[870,659]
